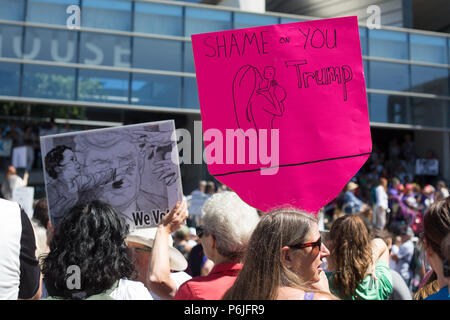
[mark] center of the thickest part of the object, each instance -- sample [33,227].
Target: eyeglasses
[315,244]
[200,231]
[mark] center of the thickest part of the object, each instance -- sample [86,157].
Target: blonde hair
[263,272]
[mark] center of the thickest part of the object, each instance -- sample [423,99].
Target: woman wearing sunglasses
[283,260]
[359,266]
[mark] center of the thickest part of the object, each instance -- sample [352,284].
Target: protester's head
[40,212]
[351,186]
[284,251]
[350,253]
[11,171]
[440,184]
[406,233]
[383,182]
[210,187]
[61,161]
[91,237]
[227,223]
[111,150]
[202,185]
[436,225]
[384,235]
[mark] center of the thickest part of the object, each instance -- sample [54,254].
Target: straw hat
[352,186]
[146,237]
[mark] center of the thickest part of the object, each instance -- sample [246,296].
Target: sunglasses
[317,244]
[200,231]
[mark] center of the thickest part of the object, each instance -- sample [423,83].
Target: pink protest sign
[284,110]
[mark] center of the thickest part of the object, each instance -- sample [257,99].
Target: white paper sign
[19,157]
[5,147]
[25,197]
[129,167]
[429,167]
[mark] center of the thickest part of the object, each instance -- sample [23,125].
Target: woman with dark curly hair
[89,258]
[360,266]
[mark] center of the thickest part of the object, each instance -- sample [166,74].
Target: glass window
[9,79]
[190,93]
[204,20]
[12,10]
[48,82]
[50,45]
[430,112]
[156,90]
[366,72]
[428,48]
[103,86]
[105,49]
[388,76]
[10,41]
[159,19]
[189,65]
[429,80]
[49,11]
[388,108]
[247,20]
[388,44]
[363,40]
[157,54]
[111,14]
[289,20]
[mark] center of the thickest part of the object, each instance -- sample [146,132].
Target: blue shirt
[440,295]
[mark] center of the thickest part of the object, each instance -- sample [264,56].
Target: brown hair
[436,224]
[263,272]
[11,171]
[350,252]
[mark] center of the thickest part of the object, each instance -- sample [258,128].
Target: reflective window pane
[103,86]
[48,82]
[388,76]
[190,93]
[111,14]
[363,40]
[385,108]
[157,54]
[189,65]
[204,20]
[430,112]
[428,48]
[247,20]
[103,49]
[50,45]
[156,90]
[9,79]
[48,11]
[289,20]
[388,44]
[158,19]
[429,80]
[12,10]
[10,41]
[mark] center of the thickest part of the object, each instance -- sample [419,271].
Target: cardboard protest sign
[134,168]
[284,110]
[25,197]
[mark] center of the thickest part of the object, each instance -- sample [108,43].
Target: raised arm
[160,281]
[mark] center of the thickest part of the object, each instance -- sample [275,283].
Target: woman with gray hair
[227,225]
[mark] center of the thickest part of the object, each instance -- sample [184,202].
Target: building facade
[132,61]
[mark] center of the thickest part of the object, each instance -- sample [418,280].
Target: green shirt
[369,289]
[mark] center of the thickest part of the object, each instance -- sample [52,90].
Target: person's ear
[286,257]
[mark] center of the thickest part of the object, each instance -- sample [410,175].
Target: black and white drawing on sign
[258,99]
[130,167]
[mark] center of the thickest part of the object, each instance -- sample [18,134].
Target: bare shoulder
[324,296]
[288,293]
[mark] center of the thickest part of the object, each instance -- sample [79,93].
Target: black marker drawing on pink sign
[258,100]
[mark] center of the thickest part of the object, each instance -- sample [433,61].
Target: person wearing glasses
[283,260]
[436,225]
[226,226]
[359,267]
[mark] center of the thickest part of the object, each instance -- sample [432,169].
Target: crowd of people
[386,236]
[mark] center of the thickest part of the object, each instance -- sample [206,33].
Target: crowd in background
[387,226]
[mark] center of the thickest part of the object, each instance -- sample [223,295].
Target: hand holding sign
[307,93]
